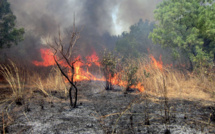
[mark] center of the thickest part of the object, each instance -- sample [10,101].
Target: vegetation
[130,70]
[65,55]
[136,42]
[187,26]
[9,34]
[109,63]
[14,76]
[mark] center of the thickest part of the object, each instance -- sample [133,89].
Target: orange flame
[80,74]
[93,59]
[139,86]
[48,59]
[157,64]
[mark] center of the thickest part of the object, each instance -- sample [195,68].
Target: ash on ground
[103,112]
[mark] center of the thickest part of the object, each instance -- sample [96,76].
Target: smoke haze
[100,18]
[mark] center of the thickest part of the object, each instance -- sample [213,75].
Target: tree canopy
[9,34]
[188,26]
[135,42]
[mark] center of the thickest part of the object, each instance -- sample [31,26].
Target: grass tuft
[15,78]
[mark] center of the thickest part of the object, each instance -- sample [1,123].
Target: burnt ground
[101,111]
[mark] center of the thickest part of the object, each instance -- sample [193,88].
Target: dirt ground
[104,112]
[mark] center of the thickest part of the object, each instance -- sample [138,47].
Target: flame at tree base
[81,74]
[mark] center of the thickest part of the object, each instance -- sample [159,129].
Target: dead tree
[65,63]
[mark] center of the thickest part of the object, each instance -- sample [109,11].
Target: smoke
[101,20]
[44,16]
[131,11]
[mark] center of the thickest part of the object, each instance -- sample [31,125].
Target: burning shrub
[109,63]
[130,75]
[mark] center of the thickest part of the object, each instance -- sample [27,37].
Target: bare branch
[60,41]
[63,55]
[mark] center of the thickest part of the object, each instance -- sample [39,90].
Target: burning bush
[130,75]
[122,74]
[109,64]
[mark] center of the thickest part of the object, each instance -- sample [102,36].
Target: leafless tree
[63,58]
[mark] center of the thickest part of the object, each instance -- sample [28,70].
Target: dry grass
[15,78]
[19,80]
[178,84]
[53,82]
[181,85]
[169,83]
[56,81]
[22,82]
[40,86]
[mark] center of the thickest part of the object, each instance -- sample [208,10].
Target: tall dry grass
[53,82]
[20,79]
[179,84]
[56,81]
[15,78]
[169,83]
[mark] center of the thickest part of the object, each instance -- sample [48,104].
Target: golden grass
[53,82]
[179,84]
[56,81]
[15,78]
[40,86]
[19,80]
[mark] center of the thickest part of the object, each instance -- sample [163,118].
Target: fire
[157,64]
[93,59]
[116,81]
[47,56]
[139,86]
[80,73]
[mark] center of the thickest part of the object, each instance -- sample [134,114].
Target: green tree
[136,42]
[9,35]
[187,26]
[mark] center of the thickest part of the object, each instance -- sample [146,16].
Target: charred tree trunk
[128,88]
[108,79]
[191,66]
[70,96]
[62,54]
[71,82]
[73,96]
[109,85]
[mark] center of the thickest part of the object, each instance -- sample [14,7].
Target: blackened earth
[100,112]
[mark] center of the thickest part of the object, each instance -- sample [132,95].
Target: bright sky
[118,29]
